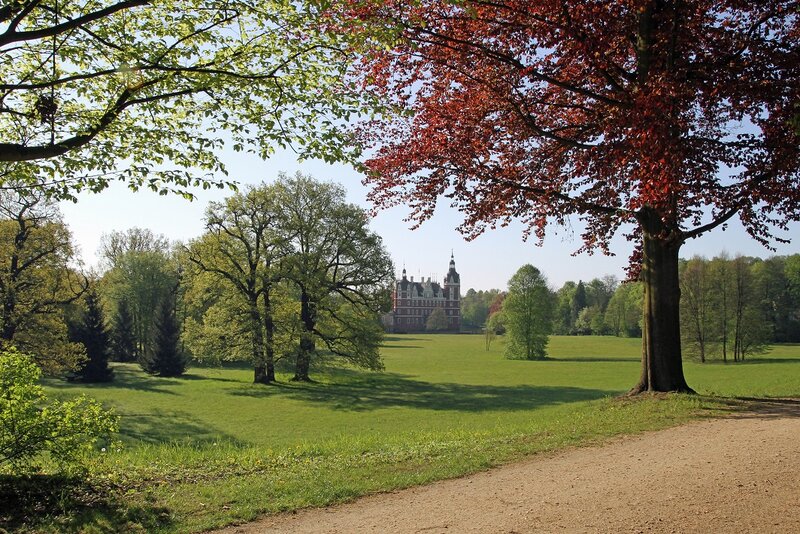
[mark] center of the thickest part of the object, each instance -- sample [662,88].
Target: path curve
[734,474]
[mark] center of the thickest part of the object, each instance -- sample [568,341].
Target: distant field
[211,448]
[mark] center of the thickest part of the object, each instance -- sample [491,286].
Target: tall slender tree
[528,313]
[696,304]
[577,305]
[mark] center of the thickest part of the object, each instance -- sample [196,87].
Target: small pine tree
[92,333]
[166,357]
[124,342]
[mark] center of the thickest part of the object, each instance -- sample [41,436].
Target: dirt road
[736,474]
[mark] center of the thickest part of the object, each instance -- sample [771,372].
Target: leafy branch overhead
[151,91]
[606,110]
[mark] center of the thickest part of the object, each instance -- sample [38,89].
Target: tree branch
[13,36]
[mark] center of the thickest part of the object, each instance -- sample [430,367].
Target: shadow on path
[763,408]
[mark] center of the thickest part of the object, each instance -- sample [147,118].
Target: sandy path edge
[739,473]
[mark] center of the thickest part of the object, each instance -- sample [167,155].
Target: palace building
[413,302]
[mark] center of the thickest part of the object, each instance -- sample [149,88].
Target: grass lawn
[211,448]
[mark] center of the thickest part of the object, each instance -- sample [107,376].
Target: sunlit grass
[211,448]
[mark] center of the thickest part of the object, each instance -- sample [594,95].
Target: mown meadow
[210,448]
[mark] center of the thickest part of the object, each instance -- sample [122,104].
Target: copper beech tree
[658,119]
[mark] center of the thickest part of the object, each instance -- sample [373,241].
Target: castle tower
[452,289]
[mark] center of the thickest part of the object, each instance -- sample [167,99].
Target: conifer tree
[166,357]
[92,333]
[123,339]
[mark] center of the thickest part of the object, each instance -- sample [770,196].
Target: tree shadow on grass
[125,377]
[402,337]
[593,359]
[391,342]
[162,426]
[56,503]
[358,392]
[193,377]
[752,360]
[756,360]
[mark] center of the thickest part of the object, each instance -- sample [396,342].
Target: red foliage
[497,303]
[603,109]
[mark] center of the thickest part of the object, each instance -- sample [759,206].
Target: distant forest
[730,307]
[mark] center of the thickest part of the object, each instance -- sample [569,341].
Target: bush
[31,427]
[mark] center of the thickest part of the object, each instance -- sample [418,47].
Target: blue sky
[485,263]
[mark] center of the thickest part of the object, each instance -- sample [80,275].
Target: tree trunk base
[260,376]
[266,382]
[642,389]
[263,380]
[297,378]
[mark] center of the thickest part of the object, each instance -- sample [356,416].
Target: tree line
[733,307]
[284,272]
[730,307]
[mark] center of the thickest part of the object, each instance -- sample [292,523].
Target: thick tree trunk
[662,366]
[260,375]
[306,340]
[269,338]
[8,328]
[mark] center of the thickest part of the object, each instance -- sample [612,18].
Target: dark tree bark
[307,347]
[269,335]
[260,375]
[662,366]
[9,327]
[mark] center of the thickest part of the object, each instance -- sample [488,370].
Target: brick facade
[413,302]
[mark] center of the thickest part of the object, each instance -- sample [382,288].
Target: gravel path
[735,474]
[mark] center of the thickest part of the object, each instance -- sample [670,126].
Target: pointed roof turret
[452,275]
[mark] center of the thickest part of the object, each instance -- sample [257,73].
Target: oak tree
[242,248]
[341,270]
[39,276]
[660,119]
